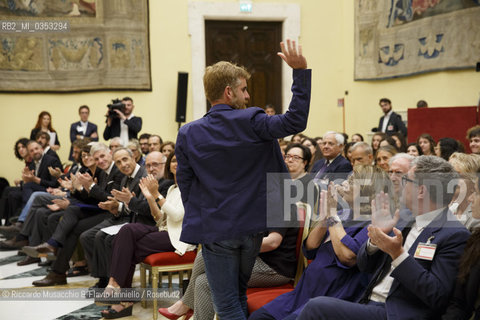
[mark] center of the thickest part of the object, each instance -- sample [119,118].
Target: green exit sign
[245,6]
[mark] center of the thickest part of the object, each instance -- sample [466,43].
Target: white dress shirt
[380,291]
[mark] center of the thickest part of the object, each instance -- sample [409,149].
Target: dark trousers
[323,308]
[12,197]
[97,246]
[64,254]
[133,243]
[35,225]
[70,218]
[228,265]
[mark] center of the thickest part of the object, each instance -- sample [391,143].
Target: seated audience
[376,139]
[467,165]
[270,109]
[347,153]
[413,149]
[361,153]
[333,165]
[332,244]
[154,143]
[473,136]
[464,304]
[388,141]
[297,138]
[314,150]
[383,156]
[402,284]
[167,148]
[357,137]
[134,146]
[446,147]
[115,143]
[135,241]
[43,139]
[44,123]
[427,144]
[400,142]
[143,139]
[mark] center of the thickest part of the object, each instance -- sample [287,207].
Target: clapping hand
[381,215]
[149,186]
[110,205]
[55,172]
[58,204]
[123,196]
[328,202]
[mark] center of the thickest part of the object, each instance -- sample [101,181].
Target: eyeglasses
[86,155]
[153,164]
[293,157]
[406,179]
[396,173]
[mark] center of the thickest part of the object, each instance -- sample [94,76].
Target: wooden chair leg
[169,280]
[154,291]
[143,283]
[180,279]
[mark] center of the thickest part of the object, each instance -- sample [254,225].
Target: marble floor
[16,281]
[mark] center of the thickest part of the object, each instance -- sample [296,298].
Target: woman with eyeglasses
[464,303]
[332,245]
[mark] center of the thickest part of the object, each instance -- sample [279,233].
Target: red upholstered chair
[164,262]
[258,297]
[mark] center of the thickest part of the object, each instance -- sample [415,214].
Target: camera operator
[120,123]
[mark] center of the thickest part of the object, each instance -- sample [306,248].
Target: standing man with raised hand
[223,160]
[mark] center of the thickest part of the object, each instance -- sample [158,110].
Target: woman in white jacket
[135,241]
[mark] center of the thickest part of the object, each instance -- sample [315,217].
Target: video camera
[115,105]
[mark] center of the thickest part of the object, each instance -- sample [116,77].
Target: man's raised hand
[292,56]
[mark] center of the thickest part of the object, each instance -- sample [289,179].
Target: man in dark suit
[81,218]
[414,270]
[223,159]
[97,244]
[391,122]
[82,129]
[36,176]
[125,125]
[333,165]
[43,138]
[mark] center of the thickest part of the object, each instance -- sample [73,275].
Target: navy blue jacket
[340,168]
[223,161]
[421,288]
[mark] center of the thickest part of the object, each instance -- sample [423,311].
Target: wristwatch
[331,221]
[160,197]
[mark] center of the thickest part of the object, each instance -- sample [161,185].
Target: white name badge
[425,251]
[390,128]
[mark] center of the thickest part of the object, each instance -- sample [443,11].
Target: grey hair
[130,153]
[401,155]
[98,146]
[338,137]
[438,176]
[117,139]
[133,143]
[361,144]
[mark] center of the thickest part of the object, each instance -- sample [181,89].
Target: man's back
[223,163]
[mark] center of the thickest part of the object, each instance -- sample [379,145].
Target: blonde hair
[220,75]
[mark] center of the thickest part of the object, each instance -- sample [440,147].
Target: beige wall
[327,37]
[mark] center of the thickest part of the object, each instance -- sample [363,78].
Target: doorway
[254,45]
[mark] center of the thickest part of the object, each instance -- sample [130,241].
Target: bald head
[155,164]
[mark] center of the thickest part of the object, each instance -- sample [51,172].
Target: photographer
[121,122]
